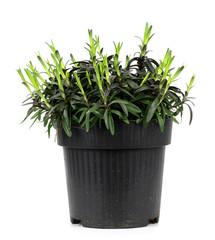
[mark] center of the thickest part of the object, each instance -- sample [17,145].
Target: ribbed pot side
[115,181]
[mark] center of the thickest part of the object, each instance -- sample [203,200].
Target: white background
[33,197]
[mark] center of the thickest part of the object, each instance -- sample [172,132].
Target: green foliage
[101,89]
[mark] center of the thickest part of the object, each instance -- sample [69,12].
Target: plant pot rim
[126,136]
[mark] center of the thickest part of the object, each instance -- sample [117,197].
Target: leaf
[25,82]
[113,94]
[180,69]
[126,92]
[111,123]
[82,115]
[43,64]
[166,111]
[80,110]
[66,128]
[118,101]
[57,54]
[191,113]
[139,120]
[132,84]
[190,84]
[52,47]
[56,96]
[141,89]
[139,38]
[54,59]
[33,122]
[95,107]
[134,107]
[124,108]
[66,117]
[98,114]
[150,68]
[27,99]
[36,114]
[143,96]
[49,129]
[151,110]
[121,116]
[174,96]
[160,121]
[93,120]
[45,120]
[35,84]
[145,101]
[175,120]
[30,111]
[132,111]
[106,119]
[87,119]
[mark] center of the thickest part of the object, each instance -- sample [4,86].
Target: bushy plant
[101,89]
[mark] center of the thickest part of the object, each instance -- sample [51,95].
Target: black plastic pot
[115,181]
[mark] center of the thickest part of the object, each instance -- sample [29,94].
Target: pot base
[114,225]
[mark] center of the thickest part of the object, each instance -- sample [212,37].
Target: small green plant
[101,89]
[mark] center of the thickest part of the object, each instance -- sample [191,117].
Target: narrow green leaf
[60,83]
[121,116]
[33,122]
[32,79]
[133,111]
[82,115]
[126,92]
[45,120]
[145,79]
[124,108]
[37,114]
[132,84]
[106,119]
[44,65]
[73,60]
[142,89]
[95,107]
[134,107]
[66,117]
[166,111]
[175,120]
[190,84]
[66,128]
[87,122]
[98,114]
[139,120]
[191,113]
[151,110]
[54,59]
[118,101]
[88,78]
[30,111]
[25,82]
[160,121]
[49,128]
[180,69]
[111,123]
[80,86]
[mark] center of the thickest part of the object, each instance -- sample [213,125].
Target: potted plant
[113,122]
